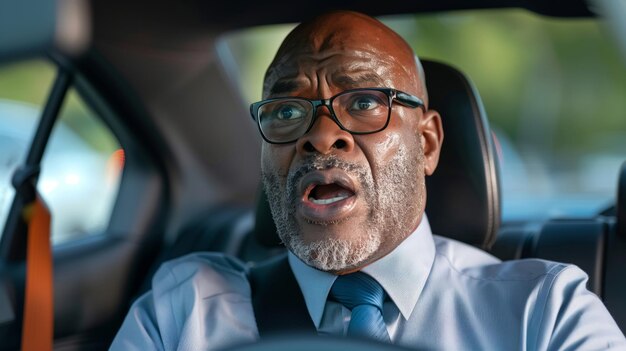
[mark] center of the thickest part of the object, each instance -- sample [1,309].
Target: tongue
[329,191]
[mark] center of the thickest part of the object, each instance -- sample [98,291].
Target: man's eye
[364,103]
[289,112]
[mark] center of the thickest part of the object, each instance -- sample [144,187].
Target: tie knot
[357,289]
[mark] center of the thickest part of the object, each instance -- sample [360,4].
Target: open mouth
[326,194]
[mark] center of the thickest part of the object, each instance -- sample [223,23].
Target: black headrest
[621,203]
[463,194]
[463,199]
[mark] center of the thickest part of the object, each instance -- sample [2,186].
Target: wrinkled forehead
[351,50]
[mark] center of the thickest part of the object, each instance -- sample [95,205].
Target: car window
[555,103]
[82,163]
[80,172]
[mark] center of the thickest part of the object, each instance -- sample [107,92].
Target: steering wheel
[313,343]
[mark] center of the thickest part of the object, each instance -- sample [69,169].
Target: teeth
[328,201]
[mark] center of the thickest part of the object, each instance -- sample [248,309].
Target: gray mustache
[319,163]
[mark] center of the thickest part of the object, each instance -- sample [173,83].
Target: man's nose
[325,136]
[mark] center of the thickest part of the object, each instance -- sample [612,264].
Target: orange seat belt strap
[37,328]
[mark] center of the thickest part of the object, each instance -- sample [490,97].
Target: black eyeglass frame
[401,97]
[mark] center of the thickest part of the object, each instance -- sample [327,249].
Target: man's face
[341,201]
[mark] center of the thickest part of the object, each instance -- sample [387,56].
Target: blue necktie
[361,294]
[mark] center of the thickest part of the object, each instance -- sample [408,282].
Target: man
[349,139]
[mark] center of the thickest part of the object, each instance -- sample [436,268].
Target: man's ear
[431,132]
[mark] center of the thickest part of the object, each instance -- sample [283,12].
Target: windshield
[553,90]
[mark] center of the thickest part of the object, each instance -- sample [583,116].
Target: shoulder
[552,299]
[206,273]
[188,295]
[472,262]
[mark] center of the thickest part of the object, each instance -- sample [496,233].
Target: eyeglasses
[359,111]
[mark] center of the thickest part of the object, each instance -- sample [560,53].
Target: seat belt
[277,301]
[37,327]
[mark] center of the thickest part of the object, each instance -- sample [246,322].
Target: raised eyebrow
[282,87]
[362,80]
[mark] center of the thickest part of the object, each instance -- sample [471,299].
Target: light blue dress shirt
[444,295]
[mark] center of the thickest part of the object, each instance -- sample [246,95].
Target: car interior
[157,76]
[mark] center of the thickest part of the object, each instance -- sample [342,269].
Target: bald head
[340,32]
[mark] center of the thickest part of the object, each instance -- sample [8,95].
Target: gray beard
[393,202]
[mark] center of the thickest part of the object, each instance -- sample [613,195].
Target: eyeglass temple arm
[409,100]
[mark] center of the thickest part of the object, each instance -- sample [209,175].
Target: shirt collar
[402,273]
